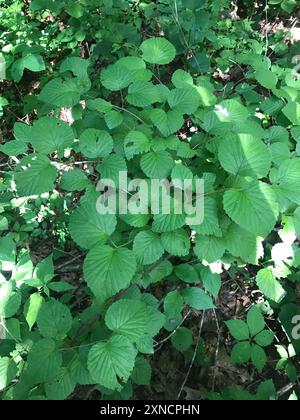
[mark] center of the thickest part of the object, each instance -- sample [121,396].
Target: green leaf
[280,152]
[74,180]
[182,340]
[113,119]
[128,318]
[10,301]
[157,321]
[79,371]
[136,220]
[176,243]
[238,329]
[145,345]
[253,206]
[158,51]
[88,227]
[288,5]
[187,273]
[142,94]
[51,134]
[244,155]
[8,371]
[193,4]
[136,143]
[61,387]
[44,361]
[3,223]
[44,270]
[32,308]
[7,249]
[95,143]
[295,131]
[168,222]
[167,122]
[197,299]
[147,248]
[210,225]
[231,111]
[142,372]
[272,106]
[54,320]
[32,62]
[78,66]
[99,105]
[108,270]
[116,77]
[184,100]
[243,244]
[211,281]
[14,148]
[209,248]
[12,329]
[266,391]
[181,173]
[112,361]
[111,167]
[296,220]
[286,180]
[292,112]
[22,132]
[37,179]
[181,79]
[60,287]
[241,353]
[266,78]
[75,10]
[160,272]
[173,304]
[269,286]
[265,338]
[157,165]
[60,94]
[278,134]
[255,321]
[258,357]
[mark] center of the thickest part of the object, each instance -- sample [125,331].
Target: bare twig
[267,33]
[69,262]
[286,389]
[173,332]
[130,113]
[217,351]
[194,356]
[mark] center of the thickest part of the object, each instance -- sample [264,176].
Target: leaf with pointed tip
[112,361]
[128,318]
[108,270]
[245,155]
[253,206]
[167,122]
[147,247]
[37,179]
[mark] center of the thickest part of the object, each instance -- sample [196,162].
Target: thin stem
[194,356]
[130,113]
[173,332]
[267,33]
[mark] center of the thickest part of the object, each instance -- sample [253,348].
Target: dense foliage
[177,89]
